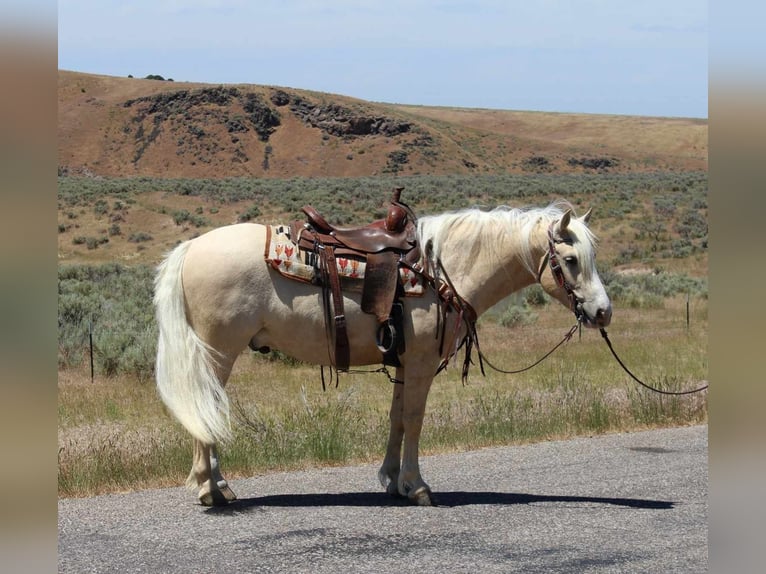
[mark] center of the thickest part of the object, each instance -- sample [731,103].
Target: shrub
[659,284]
[664,205]
[116,301]
[537,163]
[139,237]
[601,163]
[184,216]
[535,296]
[90,242]
[181,216]
[101,207]
[693,225]
[252,212]
[515,315]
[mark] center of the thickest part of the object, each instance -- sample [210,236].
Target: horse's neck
[490,273]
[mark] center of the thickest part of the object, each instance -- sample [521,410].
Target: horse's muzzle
[598,320]
[603,317]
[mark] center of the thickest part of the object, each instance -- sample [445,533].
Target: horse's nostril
[603,317]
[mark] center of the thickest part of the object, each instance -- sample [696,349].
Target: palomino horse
[215,295]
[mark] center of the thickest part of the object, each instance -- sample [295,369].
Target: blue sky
[645,57]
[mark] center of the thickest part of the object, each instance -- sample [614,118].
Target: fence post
[90,339]
[687,311]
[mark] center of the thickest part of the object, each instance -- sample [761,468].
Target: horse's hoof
[227,492]
[422,498]
[214,498]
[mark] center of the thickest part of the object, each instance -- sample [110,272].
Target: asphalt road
[633,502]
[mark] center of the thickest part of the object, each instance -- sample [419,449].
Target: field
[145,164]
[114,434]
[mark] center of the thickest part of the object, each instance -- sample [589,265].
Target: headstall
[575,304]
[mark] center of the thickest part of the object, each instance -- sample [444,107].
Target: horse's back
[239,242]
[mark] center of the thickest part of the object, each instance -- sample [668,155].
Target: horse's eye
[571,259]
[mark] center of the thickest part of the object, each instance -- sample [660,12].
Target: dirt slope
[122,127]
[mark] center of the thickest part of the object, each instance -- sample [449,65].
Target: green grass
[635,201]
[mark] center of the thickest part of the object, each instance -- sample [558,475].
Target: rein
[566,338]
[643,384]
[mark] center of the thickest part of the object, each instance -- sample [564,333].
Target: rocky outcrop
[341,121]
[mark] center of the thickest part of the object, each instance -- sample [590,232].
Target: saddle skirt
[286,257]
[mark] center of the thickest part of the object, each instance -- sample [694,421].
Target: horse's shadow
[441,499]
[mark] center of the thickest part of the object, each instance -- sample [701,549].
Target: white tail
[185,371]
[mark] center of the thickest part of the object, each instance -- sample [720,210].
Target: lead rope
[540,360]
[643,384]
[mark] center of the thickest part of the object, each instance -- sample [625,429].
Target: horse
[215,296]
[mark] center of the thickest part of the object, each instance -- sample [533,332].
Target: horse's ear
[564,221]
[586,218]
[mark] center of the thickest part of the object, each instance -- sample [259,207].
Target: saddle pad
[285,257]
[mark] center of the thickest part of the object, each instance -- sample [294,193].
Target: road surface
[628,502]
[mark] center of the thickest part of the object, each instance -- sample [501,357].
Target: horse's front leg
[206,476]
[389,471]
[410,482]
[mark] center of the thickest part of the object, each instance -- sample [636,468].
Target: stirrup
[385,338]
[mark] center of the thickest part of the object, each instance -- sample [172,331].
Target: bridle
[466,315]
[575,303]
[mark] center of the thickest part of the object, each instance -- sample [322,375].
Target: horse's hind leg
[205,473]
[199,470]
[206,476]
[223,486]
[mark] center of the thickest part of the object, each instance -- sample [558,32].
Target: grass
[114,434]
[155,214]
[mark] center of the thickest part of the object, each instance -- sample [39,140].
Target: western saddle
[384,244]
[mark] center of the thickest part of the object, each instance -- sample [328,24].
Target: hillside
[144,164]
[124,127]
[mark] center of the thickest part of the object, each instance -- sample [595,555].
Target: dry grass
[114,434]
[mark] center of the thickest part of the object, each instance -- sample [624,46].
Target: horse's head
[568,271]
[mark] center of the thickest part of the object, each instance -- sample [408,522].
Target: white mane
[479,230]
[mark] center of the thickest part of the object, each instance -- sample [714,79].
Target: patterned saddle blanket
[289,260]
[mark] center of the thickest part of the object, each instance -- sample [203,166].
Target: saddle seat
[394,233]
